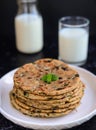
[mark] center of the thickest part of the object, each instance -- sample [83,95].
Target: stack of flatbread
[35,95]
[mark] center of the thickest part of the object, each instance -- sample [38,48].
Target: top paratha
[28,77]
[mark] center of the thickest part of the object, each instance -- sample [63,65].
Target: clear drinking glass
[73,39]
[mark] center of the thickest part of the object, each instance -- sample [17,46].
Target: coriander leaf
[44,78]
[54,77]
[49,78]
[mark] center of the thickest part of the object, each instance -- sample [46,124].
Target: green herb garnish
[48,78]
[26,94]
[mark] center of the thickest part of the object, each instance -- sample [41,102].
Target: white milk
[73,44]
[29,33]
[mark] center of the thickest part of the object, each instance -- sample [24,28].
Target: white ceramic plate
[84,112]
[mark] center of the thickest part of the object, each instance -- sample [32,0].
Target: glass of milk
[73,39]
[28,27]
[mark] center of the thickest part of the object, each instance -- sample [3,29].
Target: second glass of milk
[73,39]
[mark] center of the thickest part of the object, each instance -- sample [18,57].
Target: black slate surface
[10,59]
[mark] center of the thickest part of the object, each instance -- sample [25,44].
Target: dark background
[51,11]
